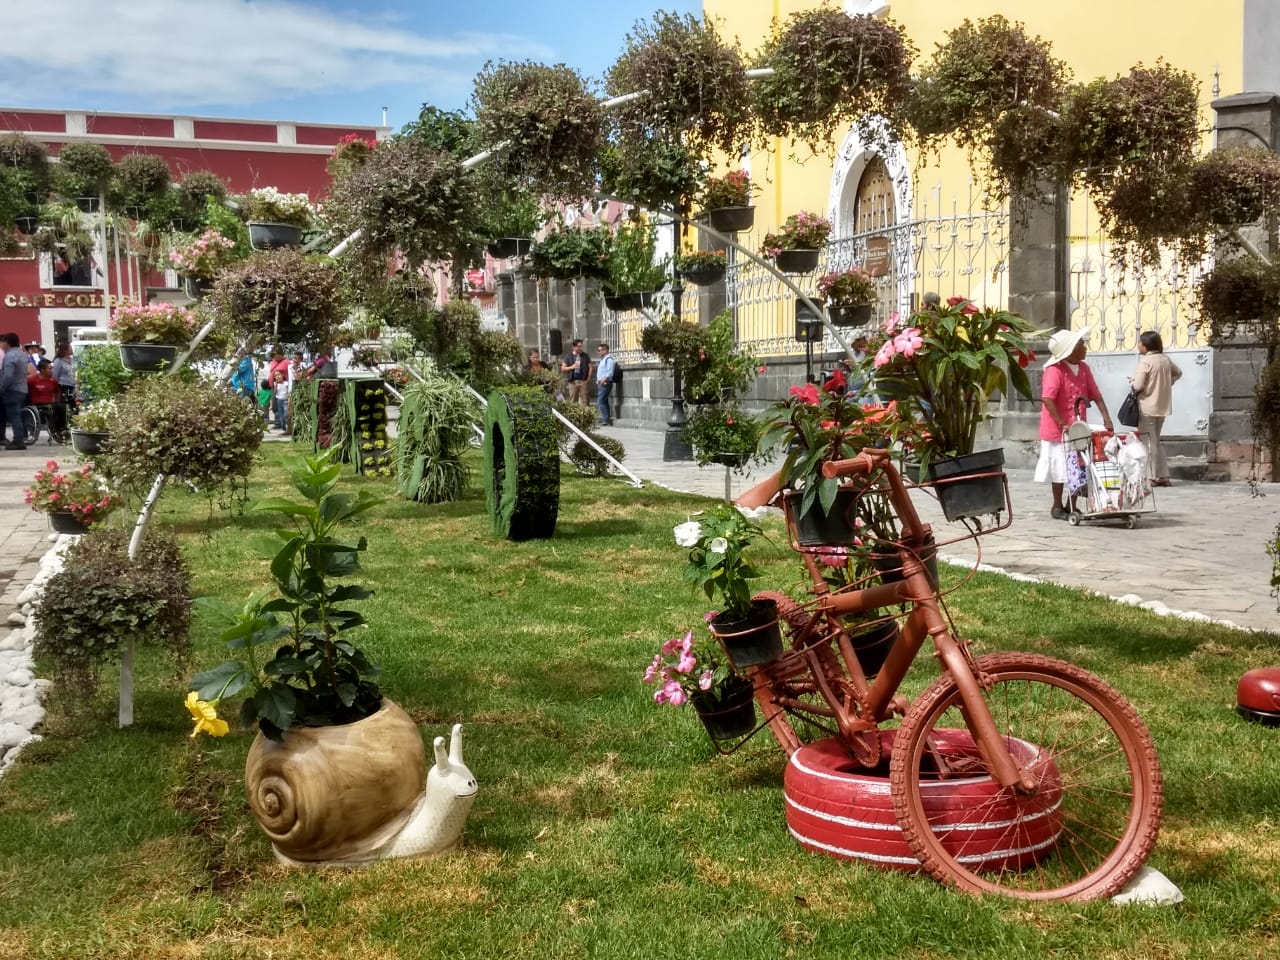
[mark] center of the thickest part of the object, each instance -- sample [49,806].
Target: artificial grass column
[521,463]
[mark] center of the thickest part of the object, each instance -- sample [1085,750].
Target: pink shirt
[1064,387]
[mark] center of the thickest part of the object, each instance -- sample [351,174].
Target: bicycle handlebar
[864,462]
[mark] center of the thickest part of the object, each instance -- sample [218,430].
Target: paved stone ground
[24,534]
[1202,550]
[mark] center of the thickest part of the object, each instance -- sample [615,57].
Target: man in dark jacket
[13,388]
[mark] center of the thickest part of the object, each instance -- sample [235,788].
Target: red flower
[836,381]
[808,393]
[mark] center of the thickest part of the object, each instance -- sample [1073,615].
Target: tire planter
[147,357]
[837,808]
[856,316]
[731,219]
[963,496]
[505,248]
[703,278]
[796,261]
[64,521]
[272,236]
[732,715]
[752,642]
[89,442]
[521,464]
[1258,696]
[336,794]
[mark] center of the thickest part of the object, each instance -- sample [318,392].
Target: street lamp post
[674,447]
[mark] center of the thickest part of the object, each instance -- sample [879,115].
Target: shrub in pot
[100,601]
[566,253]
[279,296]
[630,257]
[141,189]
[84,170]
[102,376]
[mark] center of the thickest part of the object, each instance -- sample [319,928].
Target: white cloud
[192,52]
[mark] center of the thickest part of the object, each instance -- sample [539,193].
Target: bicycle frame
[872,702]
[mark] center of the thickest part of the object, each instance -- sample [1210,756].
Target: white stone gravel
[21,692]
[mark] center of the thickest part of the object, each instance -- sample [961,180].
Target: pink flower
[705,680]
[908,342]
[686,663]
[834,556]
[891,325]
[883,355]
[55,497]
[763,368]
[675,694]
[51,464]
[709,616]
[651,673]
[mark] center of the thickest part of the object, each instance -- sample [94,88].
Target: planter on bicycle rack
[64,521]
[816,529]
[729,715]
[961,493]
[89,441]
[872,643]
[752,641]
[888,562]
[147,357]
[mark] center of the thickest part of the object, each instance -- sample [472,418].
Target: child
[264,399]
[280,401]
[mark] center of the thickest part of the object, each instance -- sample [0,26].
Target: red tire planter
[837,808]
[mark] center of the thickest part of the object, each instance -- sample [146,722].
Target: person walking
[606,373]
[1067,381]
[13,388]
[242,380]
[577,370]
[1153,381]
[64,371]
[280,400]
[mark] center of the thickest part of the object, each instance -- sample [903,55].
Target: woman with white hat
[1067,380]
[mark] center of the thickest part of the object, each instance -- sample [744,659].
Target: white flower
[718,545]
[688,533]
[754,513]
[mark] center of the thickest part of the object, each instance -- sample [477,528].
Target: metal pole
[674,446]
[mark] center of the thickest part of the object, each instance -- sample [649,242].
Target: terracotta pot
[337,794]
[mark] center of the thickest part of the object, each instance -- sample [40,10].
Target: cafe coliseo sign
[63,300]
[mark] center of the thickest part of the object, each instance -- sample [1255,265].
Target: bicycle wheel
[1089,826]
[30,425]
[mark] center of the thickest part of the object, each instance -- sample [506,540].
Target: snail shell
[337,793]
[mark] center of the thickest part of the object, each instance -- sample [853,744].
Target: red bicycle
[1053,763]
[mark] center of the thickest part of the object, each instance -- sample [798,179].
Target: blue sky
[306,60]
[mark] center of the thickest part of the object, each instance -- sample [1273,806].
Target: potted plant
[943,365]
[632,272]
[566,253]
[92,428]
[724,434]
[726,202]
[201,191]
[689,672]
[720,565]
[702,268]
[24,179]
[151,336]
[140,188]
[796,244]
[850,296]
[280,296]
[200,258]
[275,219]
[350,152]
[73,501]
[82,174]
[651,170]
[509,220]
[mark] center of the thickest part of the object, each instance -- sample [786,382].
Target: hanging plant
[279,295]
[406,197]
[696,82]
[1240,297]
[567,253]
[83,170]
[196,191]
[140,189]
[548,119]
[24,177]
[652,171]
[632,263]
[832,70]
[1236,185]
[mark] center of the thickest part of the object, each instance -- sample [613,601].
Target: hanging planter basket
[732,219]
[797,261]
[850,316]
[89,442]
[753,641]
[704,277]
[505,248]
[972,485]
[272,236]
[732,714]
[147,357]
[620,302]
[64,521]
[197,287]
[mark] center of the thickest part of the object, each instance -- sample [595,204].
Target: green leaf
[224,680]
[276,703]
[289,507]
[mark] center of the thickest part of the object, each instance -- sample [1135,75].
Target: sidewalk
[24,534]
[1203,550]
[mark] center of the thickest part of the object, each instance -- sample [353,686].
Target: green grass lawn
[605,826]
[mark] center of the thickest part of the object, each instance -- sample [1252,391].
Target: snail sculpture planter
[351,794]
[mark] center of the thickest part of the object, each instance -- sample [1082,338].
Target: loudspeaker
[808,323]
[555,344]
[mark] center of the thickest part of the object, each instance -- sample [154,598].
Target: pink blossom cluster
[78,493]
[901,343]
[203,256]
[673,667]
[133,322]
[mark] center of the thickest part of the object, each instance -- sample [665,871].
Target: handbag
[1128,413]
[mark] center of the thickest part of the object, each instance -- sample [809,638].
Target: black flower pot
[272,236]
[734,460]
[703,276]
[89,442]
[505,248]
[731,219]
[964,495]
[732,714]
[797,261]
[64,521]
[147,357]
[197,287]
[856,316]
[25,224]
[889,565]
[618,302]
[817,529]
[752,641]
[872,644]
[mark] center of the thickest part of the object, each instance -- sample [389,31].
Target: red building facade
[37,305]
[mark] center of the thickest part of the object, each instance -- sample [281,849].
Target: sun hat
[1063,342]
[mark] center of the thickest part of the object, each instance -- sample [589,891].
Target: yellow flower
[206,717]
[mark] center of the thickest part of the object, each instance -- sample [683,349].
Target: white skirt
[1052,466]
